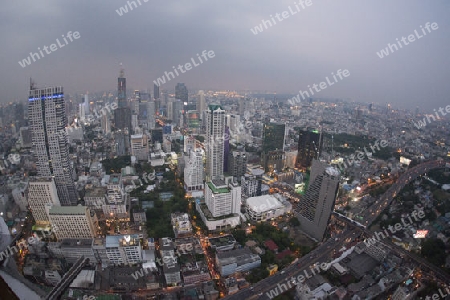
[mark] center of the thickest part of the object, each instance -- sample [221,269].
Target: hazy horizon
[302,49]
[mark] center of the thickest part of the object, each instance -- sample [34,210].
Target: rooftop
[67,210]
[215,190]
[263,203]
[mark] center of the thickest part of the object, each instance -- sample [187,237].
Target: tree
[434,251]
[294,222]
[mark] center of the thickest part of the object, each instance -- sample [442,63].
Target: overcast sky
[285,58]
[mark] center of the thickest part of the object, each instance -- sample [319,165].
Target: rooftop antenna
[122,71]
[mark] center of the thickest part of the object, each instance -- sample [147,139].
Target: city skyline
[411,76]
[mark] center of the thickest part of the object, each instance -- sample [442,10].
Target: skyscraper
[215,144]
[47,118]
[181,92]
[122,115]
[272,155]
[309,147]
[193,171]
[156,94]
[273,136]
[201,105]
[315,207]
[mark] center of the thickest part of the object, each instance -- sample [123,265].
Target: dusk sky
[301,50]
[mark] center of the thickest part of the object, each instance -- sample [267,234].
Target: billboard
[420,234]
[404,160]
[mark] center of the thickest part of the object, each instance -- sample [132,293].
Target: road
[386,199]
[319,255]
[322,253]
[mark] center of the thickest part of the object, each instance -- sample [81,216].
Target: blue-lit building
[48,121]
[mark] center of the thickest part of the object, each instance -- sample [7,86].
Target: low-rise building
[266,207]
[238,260]
[181,225]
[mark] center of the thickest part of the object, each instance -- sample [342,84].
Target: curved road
[386,199]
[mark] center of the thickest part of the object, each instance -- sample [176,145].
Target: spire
[122,71]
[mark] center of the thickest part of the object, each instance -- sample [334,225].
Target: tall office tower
[106,125]
[42,193]
[77,222]
[122,115]
[309,147]
[215,144]
[48,120]
[169,109]
[237,164]
[151,112]
[177,107]
[193,171]
[181,92]
[272,155]
[201,105]
[315,207]
[273,136]
[156,94]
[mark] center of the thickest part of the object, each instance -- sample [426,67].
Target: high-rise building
[309,147]
[122,115]
[42,194]
[273,136]
[193,170]
[156,94]
[73,222]
[315,207]
[237,164]
[106,126]
[201,105]
[181,92]
[177,107]
[47,118]
[223,198]
[215,144]
[84,107]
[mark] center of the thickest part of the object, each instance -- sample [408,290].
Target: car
[282,272]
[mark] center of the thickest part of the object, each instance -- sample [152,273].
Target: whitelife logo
[411,38]
[423,123]
[359,155]
[284,15]
[187,66]
[319,87]
[124,9]
[393,229]
[281,288]
[53,47]
[22,245]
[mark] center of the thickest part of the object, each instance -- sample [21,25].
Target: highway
[319,255]
[322,253]
[386,199]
